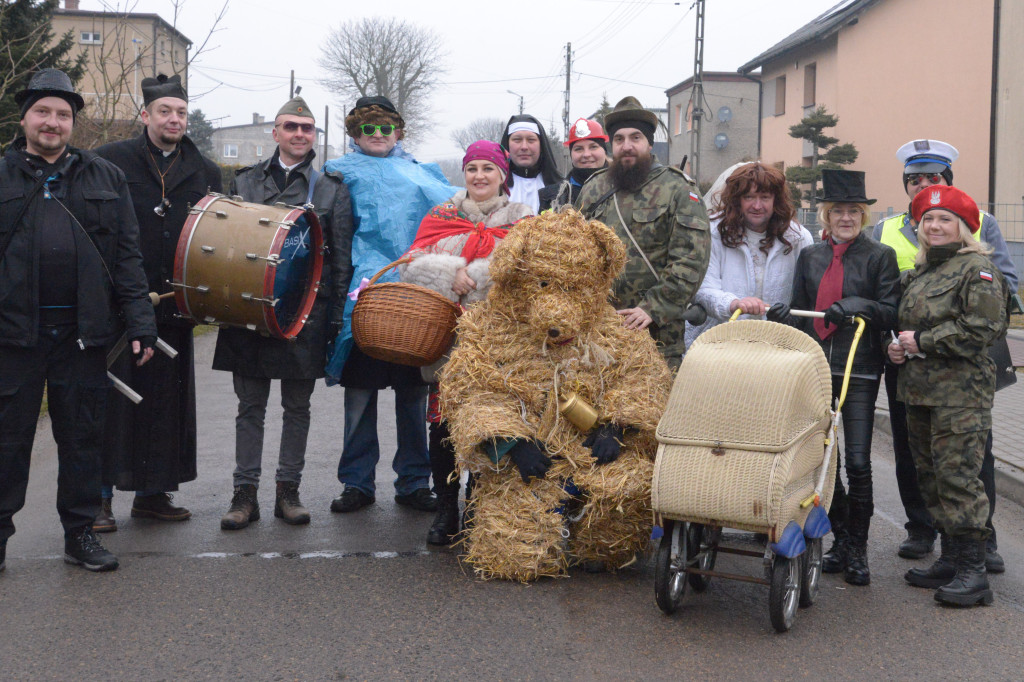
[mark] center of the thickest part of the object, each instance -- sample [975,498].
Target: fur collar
[478,211]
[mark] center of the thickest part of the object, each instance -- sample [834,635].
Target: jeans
[361,450]
[253,393]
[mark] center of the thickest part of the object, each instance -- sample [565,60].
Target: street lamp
[520,99]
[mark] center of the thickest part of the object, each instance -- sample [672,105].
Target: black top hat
[50,83]
[843,186]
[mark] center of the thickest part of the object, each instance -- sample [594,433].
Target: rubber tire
[785,591]
[697,535]
[669,584]
[810,561]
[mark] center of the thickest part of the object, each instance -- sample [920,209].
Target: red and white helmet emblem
[936,198]
[582,129]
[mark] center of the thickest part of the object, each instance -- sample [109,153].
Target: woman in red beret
[953,307]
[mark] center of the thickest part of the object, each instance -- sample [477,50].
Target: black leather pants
[851,510]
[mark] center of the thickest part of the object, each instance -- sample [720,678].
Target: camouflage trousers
[948,444]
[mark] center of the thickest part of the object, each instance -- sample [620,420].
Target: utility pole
[697,93]
[327,126]
[565,110]
[291,86]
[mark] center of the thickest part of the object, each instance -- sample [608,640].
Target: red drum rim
[184,239]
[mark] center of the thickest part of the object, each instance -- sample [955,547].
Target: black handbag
[1006,373]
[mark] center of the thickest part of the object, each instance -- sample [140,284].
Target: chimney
[256,118]
[71,4]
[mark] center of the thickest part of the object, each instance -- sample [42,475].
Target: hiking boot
[287,505]
[917,545]
[350,500]
[244,508]
[420,499]
[105,521]
[942,571]
[970,586]
[446,523]
[83,548]
[158,507]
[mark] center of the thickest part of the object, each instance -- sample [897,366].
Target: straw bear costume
[547,330]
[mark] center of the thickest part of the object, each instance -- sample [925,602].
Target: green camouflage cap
[296,106]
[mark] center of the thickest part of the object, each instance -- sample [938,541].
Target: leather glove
[779,312]
[530,459]
[144,343]
[835,315]
[605,443]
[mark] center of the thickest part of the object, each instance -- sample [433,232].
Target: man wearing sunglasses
[254,360]
[927,163]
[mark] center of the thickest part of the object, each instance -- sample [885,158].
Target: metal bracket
[246,296]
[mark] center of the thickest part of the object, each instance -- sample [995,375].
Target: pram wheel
[785,591]
[701,551]
[811,562]
[669,578]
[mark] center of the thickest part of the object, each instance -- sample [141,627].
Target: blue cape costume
[390,196]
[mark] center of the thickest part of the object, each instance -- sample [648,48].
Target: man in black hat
[151,447]
[254,360]
[69,263]
[531,164]
[658,213]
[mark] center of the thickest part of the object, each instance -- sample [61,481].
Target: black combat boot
[941,571]
[835,559]
[970,585]
[446,522]
[857,572]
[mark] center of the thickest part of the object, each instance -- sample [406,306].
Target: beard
[630,178]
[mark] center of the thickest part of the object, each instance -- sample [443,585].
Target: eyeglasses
[915,178]
[839,212]
[370,129]
[292,126]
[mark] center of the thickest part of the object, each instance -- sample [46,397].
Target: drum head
[296,278]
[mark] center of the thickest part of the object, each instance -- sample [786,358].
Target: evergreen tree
[603,110]
[200,131]
[28,46]
[826,152]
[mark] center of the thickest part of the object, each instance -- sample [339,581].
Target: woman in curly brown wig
[754,246]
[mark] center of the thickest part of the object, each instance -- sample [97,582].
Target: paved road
[360,597]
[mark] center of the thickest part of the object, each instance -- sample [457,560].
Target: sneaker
[244,508]
[420,499]
[83,548]
[158,507]
[350,500]
[105,521]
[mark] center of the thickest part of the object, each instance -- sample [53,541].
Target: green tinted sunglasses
[369,129]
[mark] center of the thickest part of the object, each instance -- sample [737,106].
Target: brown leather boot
[287,506]
[105,521]
[244,508]
[158,507]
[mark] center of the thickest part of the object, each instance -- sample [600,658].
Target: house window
[231,151]
[259,150]
[810,82]
[268,131]
[90,38]
[679,119]
[780,95]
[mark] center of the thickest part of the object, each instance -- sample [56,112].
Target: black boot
[446,523]
[857,572]
[970,586]
[834,560]
[941,571]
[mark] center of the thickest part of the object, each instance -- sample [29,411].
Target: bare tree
[479,129]
[384,56]
[452,169]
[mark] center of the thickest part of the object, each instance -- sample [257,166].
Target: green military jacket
[668,221]
[958,303]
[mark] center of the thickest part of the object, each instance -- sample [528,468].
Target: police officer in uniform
[658,213]
[927,163]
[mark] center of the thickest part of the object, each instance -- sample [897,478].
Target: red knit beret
[954,200]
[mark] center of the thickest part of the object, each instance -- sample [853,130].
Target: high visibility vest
[906,250]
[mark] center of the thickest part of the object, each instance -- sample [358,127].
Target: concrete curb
[1009,479]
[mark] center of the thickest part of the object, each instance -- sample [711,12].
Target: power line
[619,80]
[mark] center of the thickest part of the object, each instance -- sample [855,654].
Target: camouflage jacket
[668,221]
[957,302]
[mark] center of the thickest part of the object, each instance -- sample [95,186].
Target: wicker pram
[741,442]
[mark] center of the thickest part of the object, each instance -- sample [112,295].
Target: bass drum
[249,265]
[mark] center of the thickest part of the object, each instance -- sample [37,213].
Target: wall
[1009,148]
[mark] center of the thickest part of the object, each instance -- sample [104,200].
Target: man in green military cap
[658,213]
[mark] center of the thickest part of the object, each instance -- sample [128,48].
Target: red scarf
[830,289]
[446,221]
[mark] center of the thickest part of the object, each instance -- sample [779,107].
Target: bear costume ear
[508,257]
[613,249]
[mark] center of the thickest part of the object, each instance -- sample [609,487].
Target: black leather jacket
[871,289]
[110,274]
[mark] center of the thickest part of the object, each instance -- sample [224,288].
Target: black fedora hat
[843,186]
[49,83]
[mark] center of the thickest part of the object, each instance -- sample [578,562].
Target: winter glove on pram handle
[605,442]
[779,312]
[835,315]
[530,459]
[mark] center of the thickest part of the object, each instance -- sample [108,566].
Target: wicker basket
[403,323]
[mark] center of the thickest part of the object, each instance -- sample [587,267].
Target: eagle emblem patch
[936,198]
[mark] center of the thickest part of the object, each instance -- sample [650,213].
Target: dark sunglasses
[370,129]
[292,126]
[915,178]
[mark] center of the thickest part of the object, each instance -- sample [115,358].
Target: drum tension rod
[273,260]
[287,223]
[202,288]
[197,211]
[246,296]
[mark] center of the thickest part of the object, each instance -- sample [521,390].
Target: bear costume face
[553,273]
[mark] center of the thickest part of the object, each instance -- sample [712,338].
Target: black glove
[835,315]
[530,459]
[333,330]
[605,442]
[779,312]
[144,343]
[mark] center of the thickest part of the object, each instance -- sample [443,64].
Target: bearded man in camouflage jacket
[658,213]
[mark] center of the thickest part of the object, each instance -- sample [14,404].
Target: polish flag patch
[987,276]
[694,197]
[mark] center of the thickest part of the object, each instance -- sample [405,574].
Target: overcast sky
[491,47]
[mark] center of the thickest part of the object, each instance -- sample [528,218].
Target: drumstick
[155,298]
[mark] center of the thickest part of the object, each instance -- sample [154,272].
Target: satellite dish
[724,114]
[721,141]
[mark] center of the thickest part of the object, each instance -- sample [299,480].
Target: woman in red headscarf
[451,255]
[848,273]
